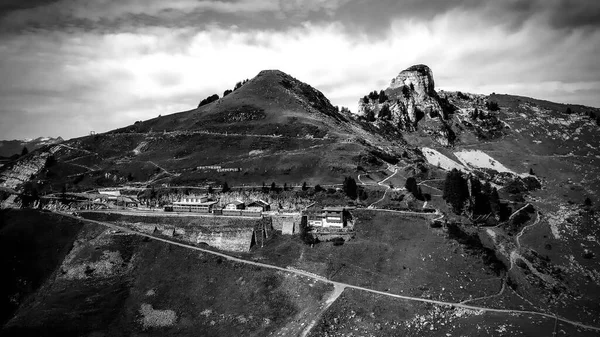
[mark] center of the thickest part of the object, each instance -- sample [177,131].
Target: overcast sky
[68,67]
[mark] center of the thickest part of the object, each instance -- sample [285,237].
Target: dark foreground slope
[32,245]
[114,284]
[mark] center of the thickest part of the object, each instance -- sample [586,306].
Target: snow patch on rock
[476,159]
[435,158]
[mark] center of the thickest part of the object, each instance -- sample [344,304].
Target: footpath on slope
[340,284]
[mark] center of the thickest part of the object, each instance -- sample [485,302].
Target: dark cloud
[135,59]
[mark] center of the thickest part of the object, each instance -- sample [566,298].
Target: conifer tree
[455,190]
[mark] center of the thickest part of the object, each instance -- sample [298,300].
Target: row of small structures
[316,217]
[203,204]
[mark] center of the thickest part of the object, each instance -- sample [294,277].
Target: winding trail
[537,220]
[340,284]
[387,188]
[519,210]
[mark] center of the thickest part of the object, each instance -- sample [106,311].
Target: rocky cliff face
[410,103]
[14,147]
[15,175]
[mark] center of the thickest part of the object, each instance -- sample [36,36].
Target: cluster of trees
[590,114]
[462,96]
[208,100]
[406,91]
[343,109]
[380,97]
[385,112]
[239,84]
[370,116]
[483,198]
[30,194]
[352,190]
[236,87]
[412,186]
[492,106]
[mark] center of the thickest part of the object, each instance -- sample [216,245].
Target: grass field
[357,313]
[392,252]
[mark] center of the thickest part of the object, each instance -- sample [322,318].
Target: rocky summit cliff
[409,103]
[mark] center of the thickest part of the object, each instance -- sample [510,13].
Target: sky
[68,67]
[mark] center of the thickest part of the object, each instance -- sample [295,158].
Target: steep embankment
[118,284]
[32,245]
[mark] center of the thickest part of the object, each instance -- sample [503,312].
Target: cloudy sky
[71,66]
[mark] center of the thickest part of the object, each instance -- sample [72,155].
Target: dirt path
[537,220]
[387,187]
[517,211]
[338,289]
[340,284]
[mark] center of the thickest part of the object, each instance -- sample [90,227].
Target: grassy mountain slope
[273,128]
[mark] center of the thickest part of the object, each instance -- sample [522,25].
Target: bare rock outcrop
[14,175]
[410,103]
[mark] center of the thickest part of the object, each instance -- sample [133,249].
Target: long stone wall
[238,240]
[228,239]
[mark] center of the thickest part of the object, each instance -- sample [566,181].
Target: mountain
[522,236]
[9,148]
[274,128]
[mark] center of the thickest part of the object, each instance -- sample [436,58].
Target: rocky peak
[412,103]
[419,78]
